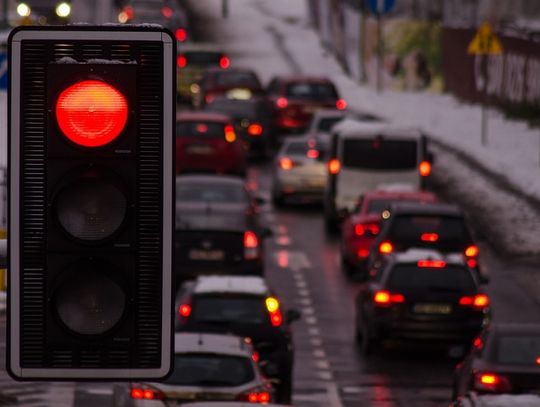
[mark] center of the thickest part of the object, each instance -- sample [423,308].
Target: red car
[360,229]
[296,98]
[207,142]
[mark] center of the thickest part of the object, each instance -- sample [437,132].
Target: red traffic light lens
[91,113]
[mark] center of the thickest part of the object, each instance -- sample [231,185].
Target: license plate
[208,255]
[311,109]
[443,309]
[315,183]
[200,149]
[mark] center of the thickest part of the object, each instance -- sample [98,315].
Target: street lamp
[63,10]
[23,10]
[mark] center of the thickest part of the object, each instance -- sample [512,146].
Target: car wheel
[369,344]
[284,391]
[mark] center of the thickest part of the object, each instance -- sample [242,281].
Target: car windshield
[237,79]
[306,90]
[443,230]
[380,154]
[211,370]
[227,309]
[200,129]
[202,58]
[517,349]
[206,192]
[447,279]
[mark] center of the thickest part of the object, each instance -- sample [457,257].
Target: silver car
[207,367]
[299,170]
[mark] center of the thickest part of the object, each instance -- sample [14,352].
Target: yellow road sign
[485,42]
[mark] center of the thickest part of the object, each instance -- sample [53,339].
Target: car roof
[215,69]
[194,342]
[303,78]
[227,404]
[397,193]
[210,178]
[425,208]
[352,114]
[415,254]
[352,128]
[202,116]
[231,284]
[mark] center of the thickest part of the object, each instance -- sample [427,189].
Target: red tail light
[429,237]
[285,163]
[251,245]
[184,310]
[471,251]
[492,382]
[478,343]
[224,62]
[260,396]
[472,263]
[385,298]
[437,264]
[312,153]
[424,168]
[166,12]
[181,34]
[282,103]
[255,357]
[181,61]
[91,113]
[362,253]
[140,393]
[341,104]
[255,129]
[276,318]
[367,228]
[478,302]
[230,134]
[334,166]
[386,248]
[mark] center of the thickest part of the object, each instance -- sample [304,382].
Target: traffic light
[91,132]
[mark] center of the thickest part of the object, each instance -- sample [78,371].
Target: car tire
[284,391]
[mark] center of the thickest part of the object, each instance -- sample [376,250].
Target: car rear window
[247,79]
[227,309]
[447,279]
[234,108]
[206,192]
[202,58]
[380,154]
[327,123]
[379,205]
[517,349]
[207,221]
[211,370]
[200,129]
[304,90]
[410,229]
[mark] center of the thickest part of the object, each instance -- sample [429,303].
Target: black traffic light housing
[91,135]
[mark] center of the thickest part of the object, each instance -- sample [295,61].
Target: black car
[251,119]
[217,227]
[437,226]
[504,358]
[421,296]
[245,306]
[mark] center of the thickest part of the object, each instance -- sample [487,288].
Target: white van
[364,156]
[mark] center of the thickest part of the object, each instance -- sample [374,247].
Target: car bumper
[293,184]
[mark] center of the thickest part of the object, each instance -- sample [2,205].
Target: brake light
[230,134]
[478,302]
[255,357]
[181,34]
[385,298]
[181,61]
[471,251]
[341,104]
[429,237]
[478,343]
[224,62]
[491,382]
[272,304]
[362,253]
[437,264]
[424,168]
[334,166]
[91,113]
[538,360]
[255,129]
[209,99]
[285,163]
[362,229]
[251,245]
[282,103]
[386,248]
[472,263]
[184,310]
[140,393]
[255,396]
[312,153]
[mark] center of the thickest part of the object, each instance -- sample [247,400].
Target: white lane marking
[316,342]
[325,375]
[297,275]
[305,301]
[283,240]
[354,390]
[100,391]
[271,217]
[319,353]
[313,331]
[308,311]
[301,283]
[322,364]
[304,292]
[311,320]
[333,395]
[283,230]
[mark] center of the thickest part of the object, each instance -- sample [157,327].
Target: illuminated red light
[492,382]
[136,393]
[312,153]
[472,263]
[263,397]
[341,104]
[479,301]
[334,166]
[202,128]
[386,248]
[148,394]
[250,240]
[471,251]
[255,357]
[252,397]
[181,61]
[362,253]
[184,310]
[361,229]
[489,379]
[167,12]
[128,10]
[230,134]
[424,168]
[431,263]
[384,297]
[275,318]
[282,103]
[477,343]
[429,237]
[538,360]
[91,113]
[224,62]
[286,163]
[255,129]
[180,34]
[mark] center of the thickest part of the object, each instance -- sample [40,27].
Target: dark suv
[436,226]
[245,306]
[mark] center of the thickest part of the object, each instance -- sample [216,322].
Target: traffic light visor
[91,113]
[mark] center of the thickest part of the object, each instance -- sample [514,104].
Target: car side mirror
[292,315]
[3,254]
